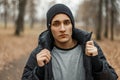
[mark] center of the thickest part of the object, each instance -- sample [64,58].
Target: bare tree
[106,19]
[112,19]
[14,9]
[20,19]
[99,26]
[114,12]
[93,11]
[1,2]
[5,13]
[32,13]
[87,12]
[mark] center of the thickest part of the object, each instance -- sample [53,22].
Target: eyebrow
[60,21]
[56,21]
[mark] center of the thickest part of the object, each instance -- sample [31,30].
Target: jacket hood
[46,40]
[81,36]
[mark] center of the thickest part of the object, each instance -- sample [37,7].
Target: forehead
[60,17]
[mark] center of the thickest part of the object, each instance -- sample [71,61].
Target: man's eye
[67,22]
[56,24]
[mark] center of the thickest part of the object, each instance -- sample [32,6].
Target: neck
[66,45]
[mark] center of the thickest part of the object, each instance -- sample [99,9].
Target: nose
[62,27]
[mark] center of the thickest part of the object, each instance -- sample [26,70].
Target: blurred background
[21,22]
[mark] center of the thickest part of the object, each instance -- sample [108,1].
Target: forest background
[21,22]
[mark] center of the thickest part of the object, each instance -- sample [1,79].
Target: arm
[31,70]
[101,69]
[34,68]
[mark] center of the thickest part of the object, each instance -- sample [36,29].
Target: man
[66,53]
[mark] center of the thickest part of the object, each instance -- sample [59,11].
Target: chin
[63,40]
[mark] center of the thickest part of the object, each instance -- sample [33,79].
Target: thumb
[90,42]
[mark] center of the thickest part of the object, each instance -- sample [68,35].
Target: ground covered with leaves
[14,51]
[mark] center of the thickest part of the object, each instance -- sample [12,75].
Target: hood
[46,40]
[81,36]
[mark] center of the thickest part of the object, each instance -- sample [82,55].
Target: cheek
[54,32]
[70,30]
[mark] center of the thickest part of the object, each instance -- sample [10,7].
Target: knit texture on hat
[57,9]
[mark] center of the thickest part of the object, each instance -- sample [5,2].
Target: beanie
[57,9]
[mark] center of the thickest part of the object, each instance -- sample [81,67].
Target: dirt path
[15,51]
[13,71]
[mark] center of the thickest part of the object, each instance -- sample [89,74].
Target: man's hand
[90,50]
[43,57]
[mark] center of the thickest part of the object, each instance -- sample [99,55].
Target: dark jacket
[96,68]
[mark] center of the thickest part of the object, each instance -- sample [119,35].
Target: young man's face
[61,28]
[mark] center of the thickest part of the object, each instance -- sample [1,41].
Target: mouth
[63,35]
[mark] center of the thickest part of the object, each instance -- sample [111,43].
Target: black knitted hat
[57,9]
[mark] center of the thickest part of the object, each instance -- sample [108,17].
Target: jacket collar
[81,36]
[46,40]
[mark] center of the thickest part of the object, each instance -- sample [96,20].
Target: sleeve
[31,69]
[100,67]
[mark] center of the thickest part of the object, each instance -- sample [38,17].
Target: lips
[63,35]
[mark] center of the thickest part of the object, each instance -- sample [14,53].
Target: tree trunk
[106,19]
[112,20]
[5,14]
[32,23]
[20,19]
[32,12]
[99,27]
[14,13]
